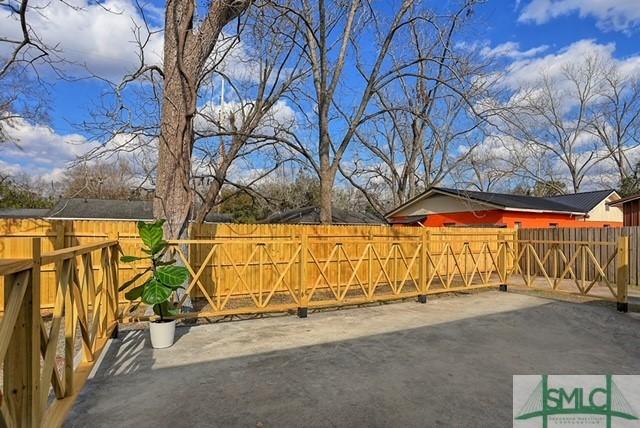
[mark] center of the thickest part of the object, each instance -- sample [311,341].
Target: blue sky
[525,35]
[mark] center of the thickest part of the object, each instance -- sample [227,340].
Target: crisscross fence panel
[240,275]
[47,356]
[594,268]
[567,238]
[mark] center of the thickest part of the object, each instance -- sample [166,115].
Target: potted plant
[161,280]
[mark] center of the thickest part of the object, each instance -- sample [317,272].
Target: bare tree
[103,180]
[256,118]
[549,124]
[335,38]
[188,46]
[616,119]
[430,122]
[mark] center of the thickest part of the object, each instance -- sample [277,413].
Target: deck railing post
[502,260]
[22,360]
[113,283]
[424,267]
[303,298]
[622,277]
[36,406]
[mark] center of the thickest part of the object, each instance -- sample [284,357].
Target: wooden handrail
[72,252]
[10,266]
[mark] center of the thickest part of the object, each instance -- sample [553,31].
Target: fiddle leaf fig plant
[165,277]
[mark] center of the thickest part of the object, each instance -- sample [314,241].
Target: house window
[606,207]
[553,224]
[518,224]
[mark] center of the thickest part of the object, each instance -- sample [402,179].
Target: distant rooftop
[98,209]
[311,215]
[580,203]
[23,212]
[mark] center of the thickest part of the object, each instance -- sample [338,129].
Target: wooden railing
[48,356]
[241,276]
[576,267]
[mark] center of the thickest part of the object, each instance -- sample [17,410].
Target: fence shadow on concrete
[436,365]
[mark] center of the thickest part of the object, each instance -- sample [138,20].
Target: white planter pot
[162,333]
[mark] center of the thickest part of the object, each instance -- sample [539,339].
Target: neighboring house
[451,207]
[311,215]
[99,209]
[23,212]
[630,208]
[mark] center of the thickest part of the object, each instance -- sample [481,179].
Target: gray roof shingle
[584,201]
[23,212]
[311,215]
[80,208]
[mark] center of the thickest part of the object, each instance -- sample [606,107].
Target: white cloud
[40,151]
[528,71]
[280,115]
[611,15]
[511,50]
[96,35]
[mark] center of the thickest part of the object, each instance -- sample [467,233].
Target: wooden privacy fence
[47,356]
[235,276]
[566,238]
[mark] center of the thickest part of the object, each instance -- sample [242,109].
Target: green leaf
[129,259]
[132,280]
[159,247]
[155,292]
[167,309]
[134,293]
[151,235]
[172,275]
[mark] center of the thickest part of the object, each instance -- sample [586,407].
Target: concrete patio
[447,363]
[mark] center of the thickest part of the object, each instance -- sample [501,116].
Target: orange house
[451,207]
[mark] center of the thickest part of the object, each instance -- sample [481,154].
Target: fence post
[113,284]
[22,360]
[303,299]
[424,267]
[622,277]
[370,266]
[502,261]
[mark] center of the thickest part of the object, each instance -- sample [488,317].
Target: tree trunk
[326,196]
[173,195]
[327,174]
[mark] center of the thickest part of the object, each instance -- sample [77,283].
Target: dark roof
[23,212]
[311,215]
[584,201]
[80,208]
[625,199]
[218,218]
[407,220]
[575,203]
